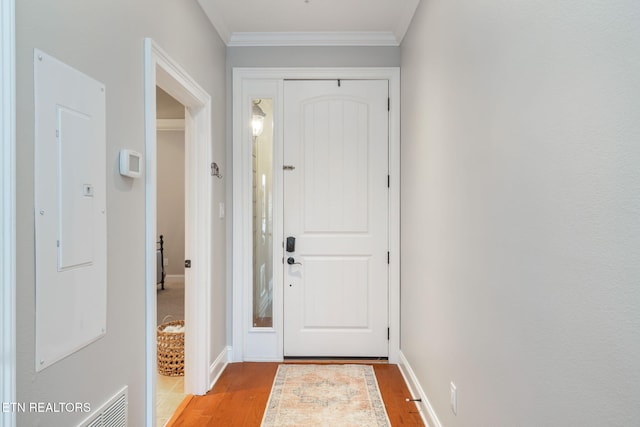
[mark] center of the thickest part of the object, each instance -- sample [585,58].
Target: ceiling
[310,22]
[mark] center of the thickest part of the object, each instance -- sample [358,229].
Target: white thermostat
[130,163]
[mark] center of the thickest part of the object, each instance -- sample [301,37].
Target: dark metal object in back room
[160,262]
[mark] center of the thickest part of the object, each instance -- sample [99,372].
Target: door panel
[336,205]
[336,165]
[327,302]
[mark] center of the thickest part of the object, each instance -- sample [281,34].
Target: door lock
[291,244]
[291,261]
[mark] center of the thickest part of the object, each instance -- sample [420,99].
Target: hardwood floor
[240,396]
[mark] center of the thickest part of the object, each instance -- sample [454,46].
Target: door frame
[269,83]
[162,71]
[8,211]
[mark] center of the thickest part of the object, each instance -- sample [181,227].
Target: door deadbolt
[291,244]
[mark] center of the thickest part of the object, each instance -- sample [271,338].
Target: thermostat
[130,163]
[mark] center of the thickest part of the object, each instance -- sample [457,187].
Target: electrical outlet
[166,262]
[454,398]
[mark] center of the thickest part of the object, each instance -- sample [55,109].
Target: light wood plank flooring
[169,395]
[240,396]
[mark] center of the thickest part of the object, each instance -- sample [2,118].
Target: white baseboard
[218,365]
[264,359]
[427,412]
[174,278]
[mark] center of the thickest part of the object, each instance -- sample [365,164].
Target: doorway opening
[163,72]
[171,243]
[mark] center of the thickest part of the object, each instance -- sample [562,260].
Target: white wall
[104,39]
[521,210]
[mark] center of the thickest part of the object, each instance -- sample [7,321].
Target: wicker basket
[171,350]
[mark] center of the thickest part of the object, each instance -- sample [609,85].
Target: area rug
[325,395]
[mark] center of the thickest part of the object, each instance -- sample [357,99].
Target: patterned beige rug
[325,395]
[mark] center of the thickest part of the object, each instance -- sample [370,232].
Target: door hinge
[187,263]
[388,257]
[388,334]
[388,181]
[389,104]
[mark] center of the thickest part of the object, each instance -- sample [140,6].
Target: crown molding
[323,38]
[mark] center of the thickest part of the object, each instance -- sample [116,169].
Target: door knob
[292,261]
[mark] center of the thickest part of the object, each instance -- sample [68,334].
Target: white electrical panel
[70,210]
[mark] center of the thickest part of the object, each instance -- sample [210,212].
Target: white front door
[336,206]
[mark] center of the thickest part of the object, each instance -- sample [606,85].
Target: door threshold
[335,360]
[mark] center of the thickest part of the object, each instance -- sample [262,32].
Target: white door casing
[161,70]
[336,206]
[7,211]
[266,344]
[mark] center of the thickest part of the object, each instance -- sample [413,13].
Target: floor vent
[111,414]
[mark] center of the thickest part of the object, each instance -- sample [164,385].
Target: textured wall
[521,210]
[104,39]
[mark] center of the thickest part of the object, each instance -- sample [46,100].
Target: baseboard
[218,365]
[174,278]
[263,359]
[427,412]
